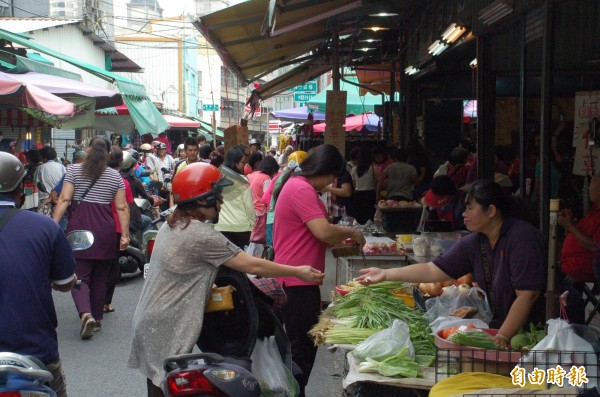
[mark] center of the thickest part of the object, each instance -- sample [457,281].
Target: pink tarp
[367,122]
[16,93]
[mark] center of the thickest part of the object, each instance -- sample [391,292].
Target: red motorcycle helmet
[198,181]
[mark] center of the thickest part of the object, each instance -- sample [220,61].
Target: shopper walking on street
[88,191]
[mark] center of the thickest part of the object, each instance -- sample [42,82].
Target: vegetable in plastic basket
[474,338]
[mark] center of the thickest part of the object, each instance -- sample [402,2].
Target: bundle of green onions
[358,315]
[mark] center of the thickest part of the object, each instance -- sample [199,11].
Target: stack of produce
[365,311]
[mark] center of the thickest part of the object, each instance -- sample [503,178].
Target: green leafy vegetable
[400,365]
[473,337]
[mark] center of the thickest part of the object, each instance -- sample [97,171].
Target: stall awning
[16,93]
[67,88]
[247,46]
[294,77]
[146,117]
[180,122]
[377,77]
[355,103]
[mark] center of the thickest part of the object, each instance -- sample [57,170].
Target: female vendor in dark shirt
[515,256]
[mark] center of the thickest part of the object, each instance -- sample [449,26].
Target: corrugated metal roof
[24,25]
[120,62]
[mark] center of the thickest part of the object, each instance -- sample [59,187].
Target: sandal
[87,326]
[108,309]
[97,326]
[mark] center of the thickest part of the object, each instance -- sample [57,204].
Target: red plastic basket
[478,353]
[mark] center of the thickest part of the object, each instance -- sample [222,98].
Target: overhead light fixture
[453,32]
[369,40]
[376,28]
[495,11]
[473,63]
[365,49]
[314,18]
[437,47]
[411,70]
[384,14]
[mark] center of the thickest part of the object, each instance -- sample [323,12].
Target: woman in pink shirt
[259,182]
[301,233]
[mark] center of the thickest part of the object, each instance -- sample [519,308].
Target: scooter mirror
[80,239]
[142,203]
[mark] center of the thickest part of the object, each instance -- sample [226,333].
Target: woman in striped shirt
[88,191]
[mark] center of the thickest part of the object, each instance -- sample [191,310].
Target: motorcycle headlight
[224,374]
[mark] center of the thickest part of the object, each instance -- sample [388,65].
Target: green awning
[146,117]
[24,65]
[355,103]
[37,57]
[206,130]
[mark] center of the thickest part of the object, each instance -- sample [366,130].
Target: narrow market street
[98,367]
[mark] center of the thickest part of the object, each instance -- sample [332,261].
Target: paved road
[97,367]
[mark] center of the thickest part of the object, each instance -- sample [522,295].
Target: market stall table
[347,268]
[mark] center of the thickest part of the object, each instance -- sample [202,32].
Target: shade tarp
[240,36]
[355,103]
[66,88]
[180,122]
[363,123]
[297,114]
[377,77]
[16,93]
[294,77]
[14,117]
[146,117]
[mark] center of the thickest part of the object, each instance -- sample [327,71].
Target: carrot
[448,331]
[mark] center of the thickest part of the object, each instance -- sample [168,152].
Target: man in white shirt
[283,159]
[47,177]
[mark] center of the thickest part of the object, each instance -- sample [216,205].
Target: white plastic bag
[447,322]
[255,249]
[451,300]
[386,343]
[442,170]
[562,346]
[275,379]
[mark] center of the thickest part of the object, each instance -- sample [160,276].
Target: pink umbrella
[367,122]
[16,93]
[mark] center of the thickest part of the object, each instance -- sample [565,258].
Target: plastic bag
[255,249]
[386,343]
[275,379]
[452,299]
[442,170]
[447,322]
[562,346]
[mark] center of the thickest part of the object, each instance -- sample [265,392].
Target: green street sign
[210,107]
[303,97]
[311,86]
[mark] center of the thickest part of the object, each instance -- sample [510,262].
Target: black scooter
[230,338]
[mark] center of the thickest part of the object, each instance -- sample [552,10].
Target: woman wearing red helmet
[185,260]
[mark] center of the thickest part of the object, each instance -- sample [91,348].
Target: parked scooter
[230,338]
[133,258]
[26,376]
[150,235]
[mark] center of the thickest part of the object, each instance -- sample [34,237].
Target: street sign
[210,107]
[309,86]
[303,97]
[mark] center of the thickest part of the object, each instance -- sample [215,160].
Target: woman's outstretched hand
[371,275]
[310,274]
